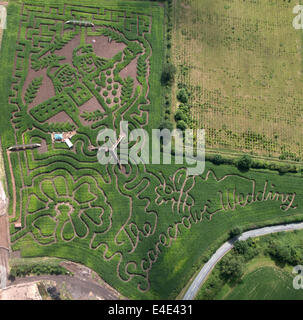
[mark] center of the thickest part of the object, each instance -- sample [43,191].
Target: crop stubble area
[137,225]
[242,62]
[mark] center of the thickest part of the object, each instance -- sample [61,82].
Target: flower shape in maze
[62,209]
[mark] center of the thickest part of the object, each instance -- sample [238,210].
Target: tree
[218,159]
[246,248]
[245,162]
[281,252]
[166,125]
[181,124]
[232,268]
[182,96]
[179,115]
[235,231]
[168,74]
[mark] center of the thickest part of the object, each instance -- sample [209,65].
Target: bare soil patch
[103,48]
[46,90]
[89,106]
[131,71]
[43,147]
[21,292]
[61,117]
[3,232]
[67,50]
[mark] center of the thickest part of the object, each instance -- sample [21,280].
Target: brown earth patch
[43,147]
[61,117]
[46,90]
[67,50]
[103,48]
[3,232]
[21,292]
[131,71]
[89,106]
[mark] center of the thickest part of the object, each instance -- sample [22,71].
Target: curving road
[226,247]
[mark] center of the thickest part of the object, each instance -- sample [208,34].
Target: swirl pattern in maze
[75,79]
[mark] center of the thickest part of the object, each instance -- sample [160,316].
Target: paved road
[227,246]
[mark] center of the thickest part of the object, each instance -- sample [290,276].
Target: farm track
[84,284]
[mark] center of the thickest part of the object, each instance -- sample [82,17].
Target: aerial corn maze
[145,229]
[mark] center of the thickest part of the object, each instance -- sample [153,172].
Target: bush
[179,115]
[168,74]
[284,253]
[235,231]
[244,163]
[246,248]
[232,269]
[217,159]
[181,124]
[23,270]
[166,125]
[182,96]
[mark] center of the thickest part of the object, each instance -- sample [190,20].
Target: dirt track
[4,238]
[83,285]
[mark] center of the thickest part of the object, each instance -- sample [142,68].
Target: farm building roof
[69,143]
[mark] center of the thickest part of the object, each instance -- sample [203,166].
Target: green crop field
[145,229]
[241,62]
[266,283]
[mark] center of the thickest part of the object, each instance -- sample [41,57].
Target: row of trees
[245,162]
[23,270]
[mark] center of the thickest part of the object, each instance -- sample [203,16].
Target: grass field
[264,277]
[266,283]
[242,63]
[136,226]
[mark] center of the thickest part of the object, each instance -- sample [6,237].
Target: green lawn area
[266,283]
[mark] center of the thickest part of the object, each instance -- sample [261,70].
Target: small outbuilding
[58,137]
[69,143]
